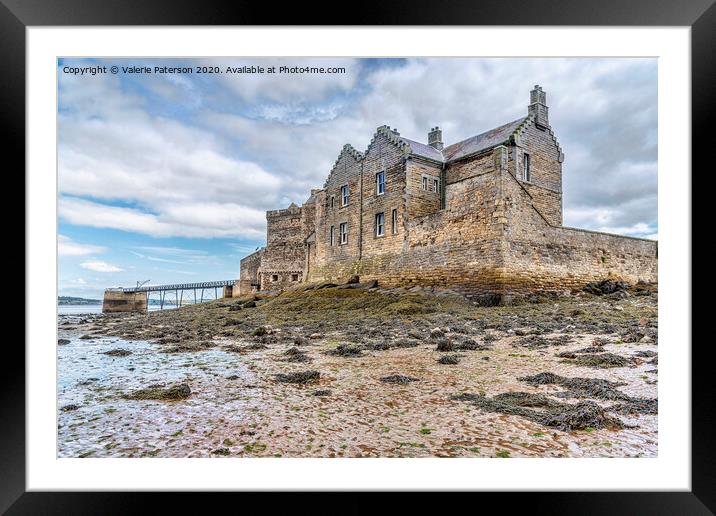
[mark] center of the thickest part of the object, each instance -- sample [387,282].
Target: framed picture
[383,256]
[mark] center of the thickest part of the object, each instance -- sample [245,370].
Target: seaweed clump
[296,355]
[159,392]
[449,359]
[397,378]
[346,350]
[302,377]
[596,388]
[562,416]
[603,360]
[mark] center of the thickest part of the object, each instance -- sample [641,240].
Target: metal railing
[179,286]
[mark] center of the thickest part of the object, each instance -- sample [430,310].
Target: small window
[425,183]
[333,201]
[294,277]
[394,221]
[344,195]
[274,277]
[333,235]
[379,224]
[527,173]
[436,185]
[343,229]
[380,183]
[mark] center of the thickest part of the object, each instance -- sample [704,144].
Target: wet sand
[237,408]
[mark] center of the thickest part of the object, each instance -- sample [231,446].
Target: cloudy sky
[166,177]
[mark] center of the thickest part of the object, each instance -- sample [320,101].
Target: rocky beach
[357,370]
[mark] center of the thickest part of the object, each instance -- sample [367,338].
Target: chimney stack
[435,138]
[538,106]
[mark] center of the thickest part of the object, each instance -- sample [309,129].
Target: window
[344,195]
[527,173]
[333,201]
[333,235]
[274,277]
[425,183]
[394,221]
[436,185]
[379,224]
[294,277]
[380,183]
[343,230]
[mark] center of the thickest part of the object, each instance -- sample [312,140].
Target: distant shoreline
[69,300]
[80,301]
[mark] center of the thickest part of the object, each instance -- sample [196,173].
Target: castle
[482,216]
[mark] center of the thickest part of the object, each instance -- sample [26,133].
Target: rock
[444,345]
[603,287]
[260,331]
[249,304]
[314,336]
[326,285]
[62,342]
[69,408]
[117,352]
[436,333]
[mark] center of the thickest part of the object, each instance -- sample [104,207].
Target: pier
[136,299]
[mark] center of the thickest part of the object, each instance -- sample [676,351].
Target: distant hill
[69,300]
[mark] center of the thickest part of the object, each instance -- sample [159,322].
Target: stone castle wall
[545,158]
[283,259]
[538,256]
[249,274]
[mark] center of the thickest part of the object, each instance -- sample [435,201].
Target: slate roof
[472,145]
[482,141]
[426,151]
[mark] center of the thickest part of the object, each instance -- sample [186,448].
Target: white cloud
[98,266]
[191,220]
[68,247]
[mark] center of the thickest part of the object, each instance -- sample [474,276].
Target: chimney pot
[435,138]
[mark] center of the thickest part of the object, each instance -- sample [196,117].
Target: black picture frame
[17,15]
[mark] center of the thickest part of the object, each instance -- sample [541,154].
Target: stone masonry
[482,216]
